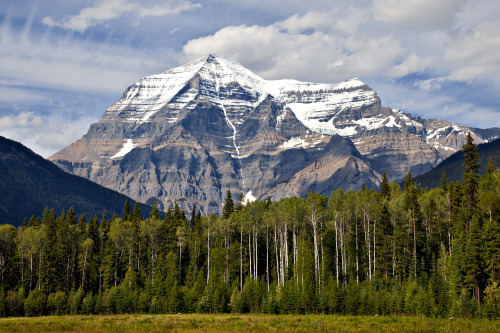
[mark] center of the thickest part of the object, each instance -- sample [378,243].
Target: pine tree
[53,266]
[228,205]
[34,222]
[239,204]
[126,211]
[71,217]
[136,213]
[82,224]
[444,182]
[385,189]
[192,221]
[155,212]
[408,182]
[490,169]
[470,176]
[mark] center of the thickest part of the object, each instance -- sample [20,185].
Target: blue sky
[62,63]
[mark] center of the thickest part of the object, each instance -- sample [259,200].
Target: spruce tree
[192,221]
[490,169]
[385,189]
[444,182]
[228,205]
[239,204]
[71,217]
[408,181]
[136,213]
[82,224]
[126,211]
[53,266]
[470,176]
[155,212]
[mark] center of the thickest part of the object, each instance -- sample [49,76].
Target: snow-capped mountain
[194,131]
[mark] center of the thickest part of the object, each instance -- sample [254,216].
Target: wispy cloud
[44,134]
[106,10]
[68,64]
[25,119]
[475,54]
[433,58]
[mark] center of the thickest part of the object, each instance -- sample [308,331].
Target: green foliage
[57,303]
[35,303]
[397,252]
[228,205]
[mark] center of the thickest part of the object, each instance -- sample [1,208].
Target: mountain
[194,131]
[453,165]
[29,183]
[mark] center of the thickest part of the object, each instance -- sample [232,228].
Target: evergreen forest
[398,251]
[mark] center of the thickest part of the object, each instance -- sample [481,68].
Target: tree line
[398,251]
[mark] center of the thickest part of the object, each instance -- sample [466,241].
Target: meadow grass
[243,323]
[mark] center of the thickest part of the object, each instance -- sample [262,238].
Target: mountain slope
[29,183]
[453,165]
[194,131]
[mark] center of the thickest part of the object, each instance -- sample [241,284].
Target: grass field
[243,323]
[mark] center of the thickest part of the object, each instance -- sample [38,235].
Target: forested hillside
[395,252]
[453,165]
[28,183]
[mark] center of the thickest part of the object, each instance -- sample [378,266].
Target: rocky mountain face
[193,132]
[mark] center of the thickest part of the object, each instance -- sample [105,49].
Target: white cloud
[67,64]
[477,12]
[431,104]
[342,19]
[106,10]
[412,64]
[25,119]
[319,56]
[417,14]
[433,84]
[44,134]
[475,54]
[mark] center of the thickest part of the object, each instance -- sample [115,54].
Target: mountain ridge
[29,183]
[230,129]
[453,165]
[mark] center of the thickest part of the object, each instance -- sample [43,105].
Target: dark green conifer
[470,176]
[385,189]
[408,181]
[82,223]
[126,211]
[444,183]
[71,217]
[136,213]
[53,266]
[33,222]
[155,212]
[490,169]
[228,205]
[192,221]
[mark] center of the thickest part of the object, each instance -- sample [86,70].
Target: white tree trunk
[208,254]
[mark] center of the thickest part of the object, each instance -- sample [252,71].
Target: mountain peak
[212,57]
[196,130]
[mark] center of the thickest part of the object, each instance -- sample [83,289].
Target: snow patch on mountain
[127,147]
[249,198]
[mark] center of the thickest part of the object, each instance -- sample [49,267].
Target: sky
[62,63]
